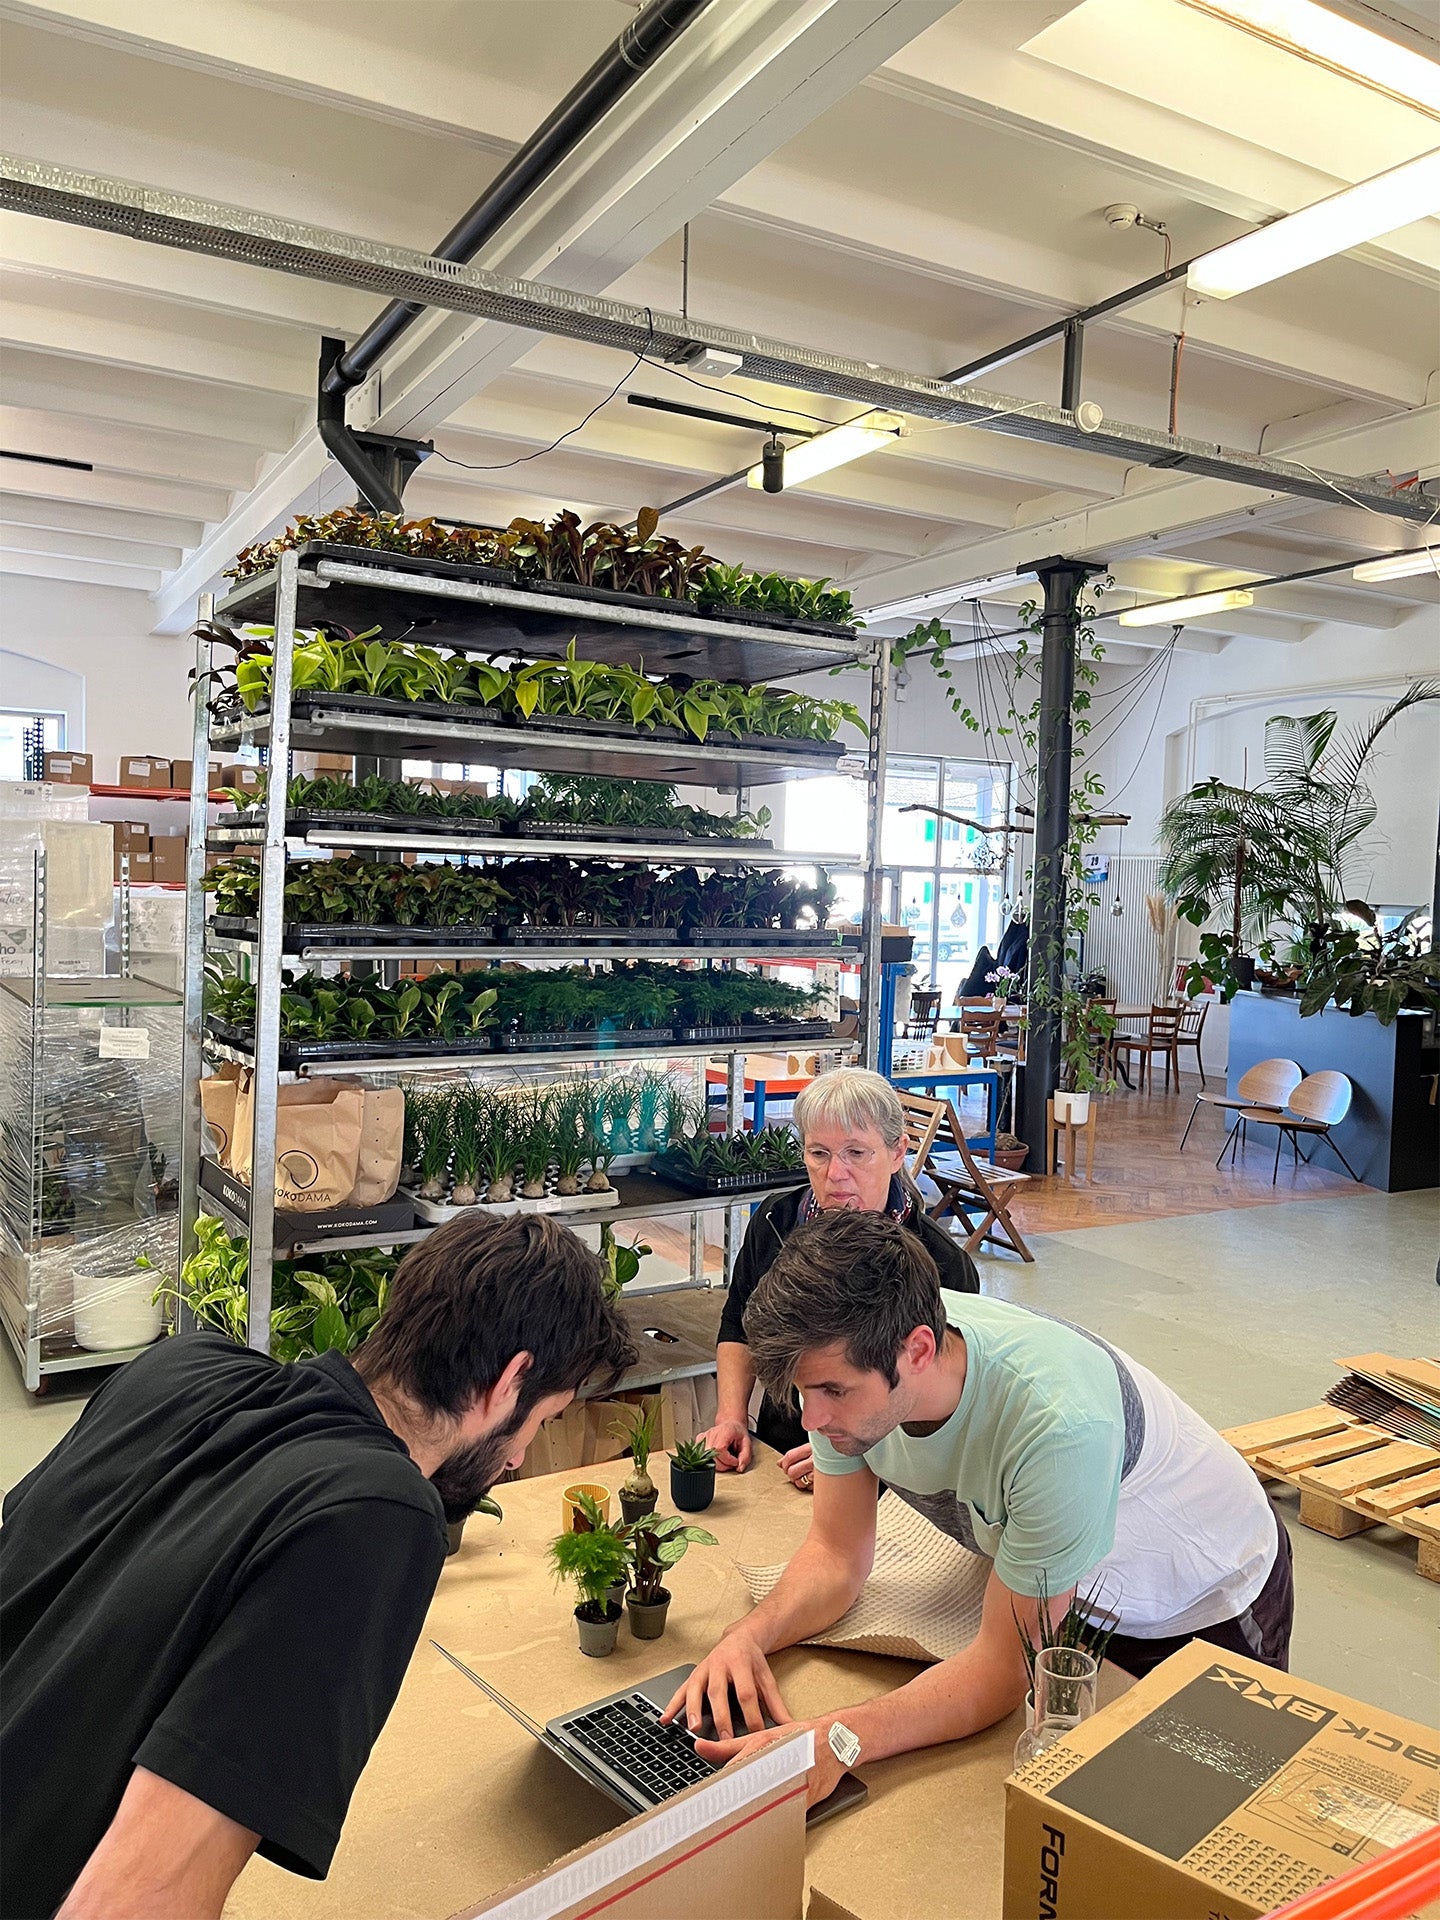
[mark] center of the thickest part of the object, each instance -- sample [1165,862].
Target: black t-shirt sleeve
[274,1721]
[749,1267]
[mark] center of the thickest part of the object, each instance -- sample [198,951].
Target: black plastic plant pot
[454,1533]
[582,830]
[598,1632]
[649,602]
[601,729]
[635,1506]
[647,1618]
[587,1039]
[782,937]
[827,751]
[1244,964]
[590,936]
[302,819]
[692,1488]
[675,1174]
[762,1031]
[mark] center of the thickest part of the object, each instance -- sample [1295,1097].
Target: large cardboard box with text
[1216,1789]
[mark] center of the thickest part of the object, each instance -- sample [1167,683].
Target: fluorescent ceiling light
[1317,34]
[1399,566]
[833,449]
[1162,612]
[918,603]
[1332,226]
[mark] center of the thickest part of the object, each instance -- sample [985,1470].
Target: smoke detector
[1089,416]
[1122,214]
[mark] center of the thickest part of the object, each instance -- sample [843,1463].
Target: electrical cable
[499,466]
[1133,700]
[713,386]
[1159,703]
[1175,358]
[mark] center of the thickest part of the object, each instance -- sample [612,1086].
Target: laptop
[619,1746]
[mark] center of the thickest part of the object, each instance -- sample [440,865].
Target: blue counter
[1390,1135]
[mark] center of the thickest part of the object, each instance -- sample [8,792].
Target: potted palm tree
[692,1476]
[595,1562]
[656,1543]
[637,1491]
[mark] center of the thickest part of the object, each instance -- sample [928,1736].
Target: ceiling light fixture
[1399,566]
[1162,612]
[1345,220]
[919,603]
[832,449]
[1315,33]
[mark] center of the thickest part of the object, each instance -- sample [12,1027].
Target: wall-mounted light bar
[922,603]
[1163,612]
[1316,33]
[833,449]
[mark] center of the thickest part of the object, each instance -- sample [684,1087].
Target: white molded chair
[1269,1083]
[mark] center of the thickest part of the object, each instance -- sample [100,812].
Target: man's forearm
[949,1701]
[734,1381]
[812,1593]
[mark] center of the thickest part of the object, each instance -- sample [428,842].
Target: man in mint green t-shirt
[1034,1443]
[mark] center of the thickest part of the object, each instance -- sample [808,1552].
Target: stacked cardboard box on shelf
[144,770]
[70,769]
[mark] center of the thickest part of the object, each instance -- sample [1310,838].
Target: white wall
[135,695]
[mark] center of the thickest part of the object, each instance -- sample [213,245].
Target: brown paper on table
[729,1846]
[924,1597]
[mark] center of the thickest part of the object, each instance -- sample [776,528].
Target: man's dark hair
[858,1280]
[477,1292]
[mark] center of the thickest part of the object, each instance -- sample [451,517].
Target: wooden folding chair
[969,1188]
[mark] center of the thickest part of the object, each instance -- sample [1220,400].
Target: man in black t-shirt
[213,1585]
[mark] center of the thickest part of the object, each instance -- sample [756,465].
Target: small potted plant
[596,1562]
[656,1543]
[1010,1152]
[455,1529]
[637,1491]
[692,1476]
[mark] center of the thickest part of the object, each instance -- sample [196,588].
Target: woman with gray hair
[852,1128]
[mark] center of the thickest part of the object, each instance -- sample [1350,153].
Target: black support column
[1062,581]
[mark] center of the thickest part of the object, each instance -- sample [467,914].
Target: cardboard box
[238,774]
[142,868]
[167,854]
[144,770]
[1216,1789]
[70,769]
[323,763]
[132,836]
[180,774]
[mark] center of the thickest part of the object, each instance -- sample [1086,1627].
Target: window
[25,739]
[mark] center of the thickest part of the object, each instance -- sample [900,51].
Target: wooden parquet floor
[1140,1173]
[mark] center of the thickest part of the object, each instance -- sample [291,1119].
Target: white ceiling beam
[51,383]
[739,82]
[80,546]
[95,573]
[101,523]
[125,449]
[1150,512]
[147,495]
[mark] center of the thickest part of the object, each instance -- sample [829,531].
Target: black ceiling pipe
[652,30]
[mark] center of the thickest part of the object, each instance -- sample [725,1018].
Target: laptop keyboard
[627,1735]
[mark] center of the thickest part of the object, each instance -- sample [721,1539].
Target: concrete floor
[1244,1314]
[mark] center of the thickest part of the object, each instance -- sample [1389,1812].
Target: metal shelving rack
[475,617]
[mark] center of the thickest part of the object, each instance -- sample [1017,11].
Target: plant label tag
[124,1043]
[551,1204]
[852,763]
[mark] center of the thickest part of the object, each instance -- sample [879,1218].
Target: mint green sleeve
[827,1460]
[1060,1508]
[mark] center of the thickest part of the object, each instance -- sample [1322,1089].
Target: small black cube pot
[633,1509]
[692,1489]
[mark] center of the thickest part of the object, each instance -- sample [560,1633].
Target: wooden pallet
[1351,1476]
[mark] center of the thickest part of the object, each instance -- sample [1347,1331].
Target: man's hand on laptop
[824,1774]
[737,1663]
[731,1442]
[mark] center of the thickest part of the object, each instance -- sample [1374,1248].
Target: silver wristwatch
[844,1744]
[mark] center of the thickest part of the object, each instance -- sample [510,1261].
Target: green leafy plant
[693,1456]
[638,1430]
[593,1561]
[1083,1625]
[621,1263]
[657,1543]
[1367,972]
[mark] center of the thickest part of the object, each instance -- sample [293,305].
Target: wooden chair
[968,1187]
[1269,1083]
[1105,1037]
[1192,1028]
[1161,1036]
[924,1015]
[981,1033]
[1320,1102]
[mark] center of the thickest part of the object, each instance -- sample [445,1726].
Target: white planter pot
[1072,1107]
[115,1310]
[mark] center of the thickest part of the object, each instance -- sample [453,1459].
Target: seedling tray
[588,1039]
[697,848]
[330,933]
[782,622]
[437,1212]
[295,1054]
[331,1223]
[761,1035]
[590,936]
[747,937]
[676,1174]
[304,818]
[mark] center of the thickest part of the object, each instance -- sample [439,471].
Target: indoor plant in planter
[1010,1152]
[595,1561]
[656,1543]
[692,1476]
[455,1529]
[1085,1038]
[637,1492]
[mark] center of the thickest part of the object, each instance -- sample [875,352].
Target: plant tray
[588,1039]
[293,1229]
[783,622]
[303,818]
[340,934]
[760,1034]
[697,847]
[590,936]
[295,1054]
[676,1174]
[599,729]
[437,1212]
[747,937]
[647,602]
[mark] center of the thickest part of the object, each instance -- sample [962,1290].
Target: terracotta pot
[1011,1158]
[692,1490]
[647,1621]
[598,1637]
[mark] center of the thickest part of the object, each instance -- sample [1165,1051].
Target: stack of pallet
[1369,1455]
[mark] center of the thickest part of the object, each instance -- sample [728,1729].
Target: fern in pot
[657,1542]
[593,1561]
[637,1492]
